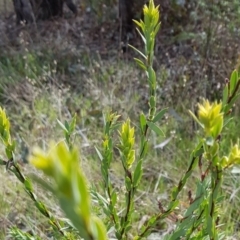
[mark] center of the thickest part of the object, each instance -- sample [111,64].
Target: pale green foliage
[127,144]
[5,134]
[210,118]
[70,188]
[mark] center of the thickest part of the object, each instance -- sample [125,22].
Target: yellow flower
[211,117]
[151,15]
[4,127]
[234,156]
[127,141]
[42,161]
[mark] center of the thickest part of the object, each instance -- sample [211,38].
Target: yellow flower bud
[42,161]
[234,156]
[211,117]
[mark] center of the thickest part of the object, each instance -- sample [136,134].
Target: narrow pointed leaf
[227,121]
[143,38]
[160,115]
[233,80]
[73,123]
[225,95]
[143,122]
[230,105]
[128,183]
[99,154]
[139,24]
[140,63]
[195,118]
[137,174]
[62,125]
[28,184]
[155,128]
[138,51]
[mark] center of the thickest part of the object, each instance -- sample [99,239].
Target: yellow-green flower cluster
[4,128]
[151,15]
[233,158]
[210,118]
[151,24]
[63,166]
[70,188]
[5,135]
[127,141]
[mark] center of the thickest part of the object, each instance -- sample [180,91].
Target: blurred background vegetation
[83,64]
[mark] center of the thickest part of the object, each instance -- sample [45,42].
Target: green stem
[175,194]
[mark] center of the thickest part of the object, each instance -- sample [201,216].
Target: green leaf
[73,123]
[128,227]
[140,63]
[152,101]
[225,95]
[128,183]
[227,121]
[138,51]
[41,207]
[99,154]
[99,230]
[9,152]
[195,118]
[76,218]
[151,222]
[143,123]
[178,234]
[2,162]
[137,174]
[160,115]
[139,24]
[28,184]
[194,206]
[118,235]
[173,205]
[157,29]
[198,152]
[210,226]
[62,126]
[233,80]
[66,125]
[155,128]
[152,78]
[230,105]
[114,197]
[44,184]
[142,36]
